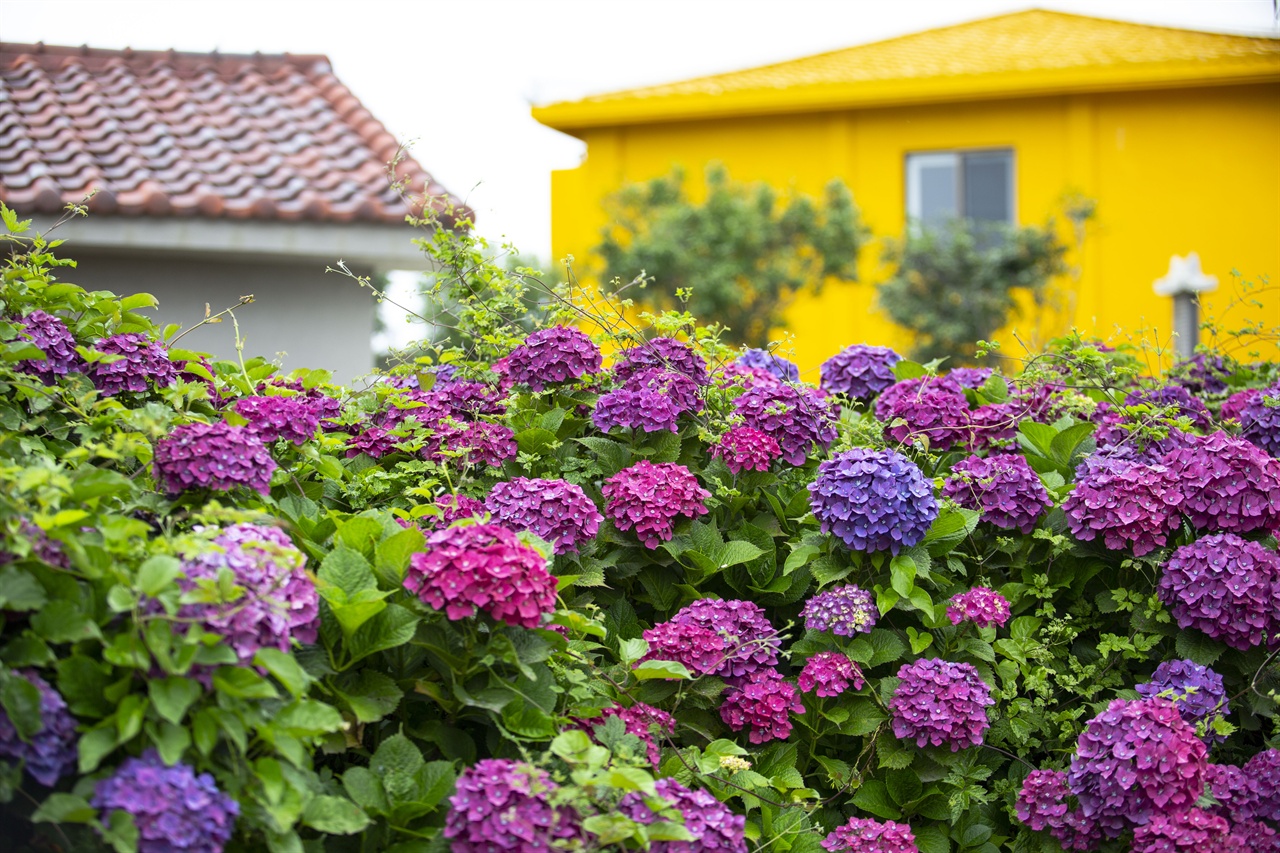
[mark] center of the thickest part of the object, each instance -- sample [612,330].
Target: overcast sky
[458,76]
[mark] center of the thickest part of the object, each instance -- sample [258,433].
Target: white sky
[458,76]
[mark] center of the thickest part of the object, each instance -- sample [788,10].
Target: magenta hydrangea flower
[278,604]
[51,336]
[321,404]
[678,388]
[775,365]
[830,674]
[751,641]
[471,443]
[1192,831]
[1196,691]
[860,371]
[873,500]
[664,353]
[272,418]
[482,567]
[174,808]
[467,399]
[632,408]
[215,456]
[649,497]
[426,408]
[702,650]
[1201,374]
[1127,503]
[374,441]
[552,356]
[864,835]
[1230,787]
[51,753]
[143,363]
[994,424]
[984,607]
[1174,401]
[453,508]
[1234,406]
[745,449]
[844,611]
[1134,760]
[714,829]
[940,703]
[889,398]
[764,705]
[1263,775]
[1260,420]
[797,418]
[1042,804]
[1227,484]
[930,411]
[970,377]
[555,510]
[1225,587]
[640,720]
[42,548]
[1255,837]
[500,804]
[1003,487]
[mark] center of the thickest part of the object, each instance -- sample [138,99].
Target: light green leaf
[334,815]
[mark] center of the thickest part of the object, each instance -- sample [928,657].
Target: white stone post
[1185,282]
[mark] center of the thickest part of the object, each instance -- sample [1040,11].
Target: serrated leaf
[1198,647]
[874,797]
[172,697]
[334,815]
[19,590]
[370,695]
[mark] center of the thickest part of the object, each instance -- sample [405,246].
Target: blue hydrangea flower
[873,500]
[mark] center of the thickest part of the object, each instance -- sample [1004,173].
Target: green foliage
[741,256]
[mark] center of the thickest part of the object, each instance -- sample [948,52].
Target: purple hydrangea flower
[930,411]
[746,449]
[272,418]
[1201,374]
[321,404]
[1260,422]
[1003,487]
[500,804]
[649,497]
[1190,831]
[864,835]
[993,424]
[1196,691]
[844,611]
[632,408]
[830,674]
[143,363]
[1134,760]
[1175,401]
[751,642]
[940,703]
[215,456]
[714,828]
[1233,407]
[1230,787]
[873,500]
[970,377]
[1128,503]
[735,374]
[51,336]
[1042,804]
[776,365]
[552,356]
[1225,587]
[860,371]
[427,408]
[555,510]
[764,705]
[42,548]
[374,441]
[174,808]
[640,720]
[664,353]
[1255,837]
[1227,484]
[890,397]
[453,508]
[471,443]
[485,567]
[701,650]
[984,607]
[678,388]
[1263,775]
[278,603]
[470,399]
[51,752]
[797,418]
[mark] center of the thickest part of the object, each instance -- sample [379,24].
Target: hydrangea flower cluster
[763,704]
[1235,404]
[552,356]
[752,643]
[745,449]
[1201,374]
[1128,503]
[1196,691]
[55,340]
[427,408]
[470,399]
[649,497]
[663,353]
[994,423]
[1042,804]
[471,443]
[873,500]
[830,674]
[844,611]
[1227,484]
[1191,830]
[321,404]
[143,359]
[1260,422]
[676,387]
[555,510]
[453,508]
[374,441]
[701,650]
[776,365]
[272,418]
[864,835]
[794,417]
[1230,787]
[1134,760]
[214,456]
[51,752]
[640,720]
[932,411]
[1225,587]
[1173,397]
[890,397]
[48,551]
[735,374]
[1263,775]
[174,808]
[715,829]
[651,400]
[939,702]
[860,371]
[984,607]
[485,567]
[279,603]
[1003,487]
[500,804]
[970,377]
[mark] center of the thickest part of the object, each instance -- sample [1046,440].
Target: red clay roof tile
[163,133]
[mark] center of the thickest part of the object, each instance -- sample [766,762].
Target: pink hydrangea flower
[984,607]
[940,703]
[1003,487]
[1226,587]
[500,804]
[213,456]
[746,449]
[555,510]
[648,497]
[1042,804]
[864,835]
[764,705]
[830,674]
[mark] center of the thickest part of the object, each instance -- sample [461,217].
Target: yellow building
[1174,133]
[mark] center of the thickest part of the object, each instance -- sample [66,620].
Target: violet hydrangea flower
[1003,487]
[649,497]
[551,357]
[215,456]
[174,808]
[713,827]
[640,720]
[1173,399]
[48,551]
[484,567]
[764,705]
[994,424]
[751,642]
[51,336]
[830,674]
[50,754]
[1260,420]
[1190,831]
[776,365]
[860,371]
[844,611]
[1263,775]
[873,500]
[555,510]
[745,449]
[272,418]
[1225,587]
[453,508]
[1234,405]
[864,835]
[970,377]
[940,703]
[930,410]
[1042,804]
[632,408]
[702,650]
[664,353]
[1196,691]
[471,443]
[143,363]
[500,804]
[797,418]
[1227,484]
[984,607]
[1127,503]
[1201,374]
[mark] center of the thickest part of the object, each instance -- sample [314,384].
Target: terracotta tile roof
[1026,52]
[162,133]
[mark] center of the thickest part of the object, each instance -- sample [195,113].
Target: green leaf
[370,695]
[240,683]
[874,797]
[363,787]
[902,575]
[95,745]
[1039,437]
[157,573]
[909,370]
[888,646]
[285,668]
[137,300]
[82,682]
[19,590]
[800,555]
[737,552]
[172,697]
[171,741]
[651,669]
[1198,647]
[611,455]
[396,762]
[348,570]
[392,557]
[393,627]
[62,621]
[335,816]
[933,839]
[359,534]
[64,808]
[21,702]
[903,786]
[1064,444]
[308,718]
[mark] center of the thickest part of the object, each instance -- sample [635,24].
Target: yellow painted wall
[1172,171]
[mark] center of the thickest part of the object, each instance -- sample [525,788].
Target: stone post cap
[1185,276]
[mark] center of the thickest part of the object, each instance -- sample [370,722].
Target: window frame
[912,189]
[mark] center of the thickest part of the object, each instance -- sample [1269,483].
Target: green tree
[957,284]
[740,257]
